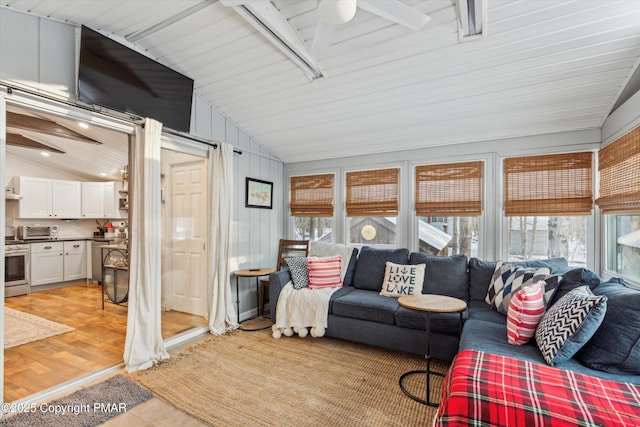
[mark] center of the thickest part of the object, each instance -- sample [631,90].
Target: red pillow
[525,312]
[325,272]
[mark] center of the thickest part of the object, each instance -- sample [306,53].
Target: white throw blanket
[304,311]
[299,309]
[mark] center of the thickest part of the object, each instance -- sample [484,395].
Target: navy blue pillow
[444,275]
[370,268]
[575,278]
[615,347]
[348,275]
[480,274]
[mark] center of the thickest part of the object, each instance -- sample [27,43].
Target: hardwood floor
[97,341]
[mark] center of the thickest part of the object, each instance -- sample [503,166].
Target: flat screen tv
[114,76]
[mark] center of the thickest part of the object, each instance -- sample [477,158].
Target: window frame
[336,211]
[346,232]
[593,237]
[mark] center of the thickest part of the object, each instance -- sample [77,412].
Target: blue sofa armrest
[277,281]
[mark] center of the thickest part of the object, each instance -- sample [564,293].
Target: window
[547,201]
[623,246]
[448,203]
[619,166]
[311,207]
[372,207]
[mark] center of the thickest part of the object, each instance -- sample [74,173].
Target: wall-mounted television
[114,76]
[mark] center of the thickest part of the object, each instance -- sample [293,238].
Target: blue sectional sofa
[357,312]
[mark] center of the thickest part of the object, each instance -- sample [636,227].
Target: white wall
[40,54]
[491,152]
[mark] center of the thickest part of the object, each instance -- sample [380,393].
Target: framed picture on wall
[259,194]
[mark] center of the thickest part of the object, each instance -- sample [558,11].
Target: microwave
[38,232]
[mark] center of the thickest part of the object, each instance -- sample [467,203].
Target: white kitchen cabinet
[99,200]
[75,260]
[48,198]
[67,197]
[53,262]
[47,263]
[92,200]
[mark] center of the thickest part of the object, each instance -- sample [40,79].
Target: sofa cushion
[351,268]
[480,273]
[482,311]
[525,311]
[369,272]
[569,324]
[366,305]
[444,275]
[447,323]
[299,271]
[574,278]
[402,280]
[615,347]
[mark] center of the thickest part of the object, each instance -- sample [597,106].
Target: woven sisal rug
[21,328]
[250,378]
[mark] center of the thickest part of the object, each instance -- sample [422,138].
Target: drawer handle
[76,246]
[47,247]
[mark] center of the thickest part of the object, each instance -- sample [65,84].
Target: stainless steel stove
[16,267]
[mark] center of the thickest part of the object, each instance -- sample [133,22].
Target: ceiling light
[83,125]
[336,12]
[45,153]
[103,174]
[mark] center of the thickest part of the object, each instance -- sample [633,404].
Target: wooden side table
[250,272]
[429,304]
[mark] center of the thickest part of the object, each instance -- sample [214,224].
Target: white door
[187,287]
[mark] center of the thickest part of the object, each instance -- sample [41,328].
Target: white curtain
[144,345]
[222,315]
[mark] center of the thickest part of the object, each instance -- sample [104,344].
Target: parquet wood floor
[97,341]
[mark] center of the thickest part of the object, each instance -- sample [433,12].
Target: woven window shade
[372,193]
[555,184]
[619,166]
[449,190]
[312,195]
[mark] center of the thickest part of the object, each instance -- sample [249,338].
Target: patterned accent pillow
[508,279]
[569,324]
[299,269]
[525,311]
[400,280]
[325,272]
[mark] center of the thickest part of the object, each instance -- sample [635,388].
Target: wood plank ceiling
[543,67]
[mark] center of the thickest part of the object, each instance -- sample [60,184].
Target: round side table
[250,272]
[429,303]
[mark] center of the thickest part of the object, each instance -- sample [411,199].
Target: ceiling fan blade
[397,12]
[321,38]
[20,141]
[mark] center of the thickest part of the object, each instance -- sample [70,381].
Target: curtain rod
[196,139]
[127,117]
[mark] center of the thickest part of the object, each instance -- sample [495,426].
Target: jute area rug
[250,378]
[21,328]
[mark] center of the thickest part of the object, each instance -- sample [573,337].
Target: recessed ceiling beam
[21,141]
[36,124]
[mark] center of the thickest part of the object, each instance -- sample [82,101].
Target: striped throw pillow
[525,311]
[325,272]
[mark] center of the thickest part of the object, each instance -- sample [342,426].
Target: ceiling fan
[332,13]
[337,12]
